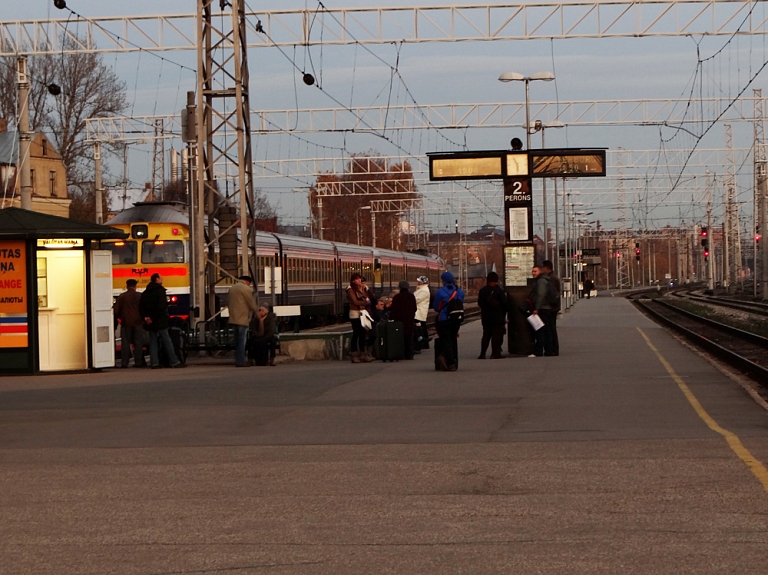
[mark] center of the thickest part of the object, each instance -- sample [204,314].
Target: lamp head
[511,77]
[545,76]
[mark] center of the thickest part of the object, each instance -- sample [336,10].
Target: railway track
[743,350]
[756,308]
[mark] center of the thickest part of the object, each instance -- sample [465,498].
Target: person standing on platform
[357,298]
[264,340]
[404,310]
[447,330]
[556,303]
[541,306]
[153,307]
[131,325]
[423,298]
[241,304]
[493,315]
[589,285]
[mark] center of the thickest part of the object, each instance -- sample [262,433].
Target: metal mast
[158,163]
[731,213]
[623,245]
[761,196]
[225,207]
[463,261]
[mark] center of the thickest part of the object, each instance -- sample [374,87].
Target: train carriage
[314,273]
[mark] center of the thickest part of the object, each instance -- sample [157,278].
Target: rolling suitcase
[390,341]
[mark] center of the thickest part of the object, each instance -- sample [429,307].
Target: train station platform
[628,453]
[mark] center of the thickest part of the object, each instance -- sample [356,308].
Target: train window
[162,252]
[123,253]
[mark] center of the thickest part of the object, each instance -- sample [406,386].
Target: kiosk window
[162,252]
[122,252]
[42,282]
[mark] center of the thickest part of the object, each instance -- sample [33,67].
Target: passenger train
[315,273]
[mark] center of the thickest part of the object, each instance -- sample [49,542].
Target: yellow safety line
[734,442]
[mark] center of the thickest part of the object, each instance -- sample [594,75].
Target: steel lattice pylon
[759,254]
[223,136]
[158,163]
[732,232]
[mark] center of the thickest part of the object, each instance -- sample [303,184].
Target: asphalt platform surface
[623,455]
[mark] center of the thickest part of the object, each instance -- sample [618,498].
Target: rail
[719,339]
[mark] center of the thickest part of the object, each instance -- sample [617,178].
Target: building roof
[9,148]
[16,223]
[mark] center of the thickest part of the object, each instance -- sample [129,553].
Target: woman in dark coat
[404,310]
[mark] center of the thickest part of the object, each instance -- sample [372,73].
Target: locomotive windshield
[162,252]
[122,252]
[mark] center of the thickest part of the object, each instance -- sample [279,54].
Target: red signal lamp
[706,254]
[174,298]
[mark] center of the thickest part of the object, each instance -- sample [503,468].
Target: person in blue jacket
[447,330]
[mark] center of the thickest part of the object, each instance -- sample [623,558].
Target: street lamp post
[539,126]
[544,77]
[515,77]
[358,221]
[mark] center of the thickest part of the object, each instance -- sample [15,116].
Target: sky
[465,73]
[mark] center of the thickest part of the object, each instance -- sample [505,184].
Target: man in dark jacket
[153,307]
[542,307]
[447,330]
[404,310]
[493,316]
[131,325]
[548,269]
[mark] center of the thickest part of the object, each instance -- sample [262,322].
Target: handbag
[366,320]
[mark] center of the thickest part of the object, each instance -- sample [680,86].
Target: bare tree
[89,89]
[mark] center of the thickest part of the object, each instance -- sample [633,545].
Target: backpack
[455,309]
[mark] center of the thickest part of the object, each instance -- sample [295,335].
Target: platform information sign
[518,210]
[560,163]
[13,294]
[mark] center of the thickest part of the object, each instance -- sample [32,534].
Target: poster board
[518,261]
[14,322]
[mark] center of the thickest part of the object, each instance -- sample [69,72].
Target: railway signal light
[705,240]
[757,233]
[637,254]
[618,254]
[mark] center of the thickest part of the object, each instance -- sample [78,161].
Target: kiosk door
[63,343]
